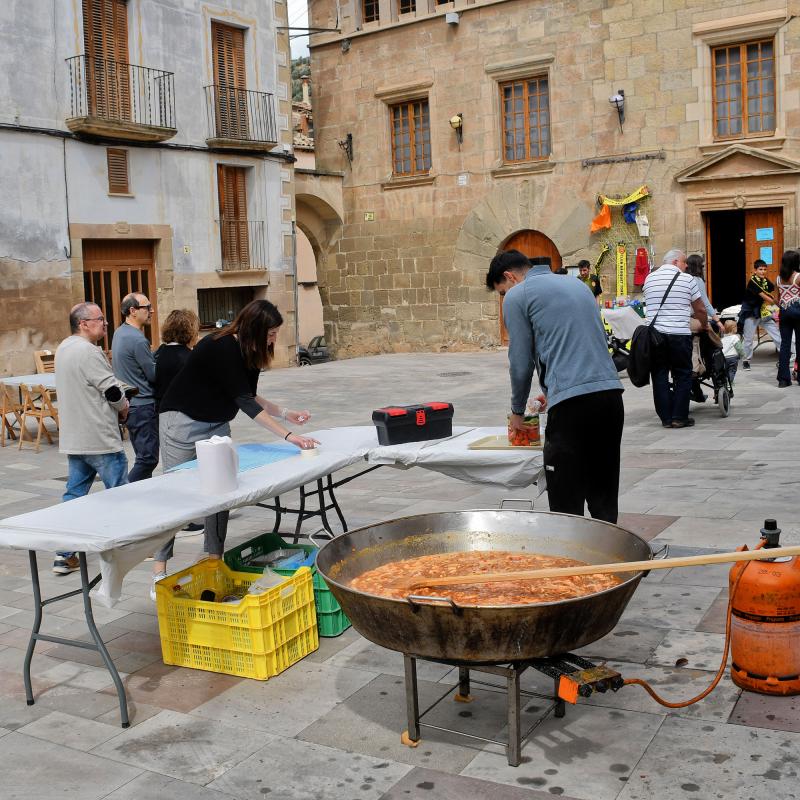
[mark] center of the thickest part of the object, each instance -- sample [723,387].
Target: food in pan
[388,579]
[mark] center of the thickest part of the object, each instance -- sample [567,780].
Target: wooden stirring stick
[601,569]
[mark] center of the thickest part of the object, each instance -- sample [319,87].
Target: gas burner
[572,676]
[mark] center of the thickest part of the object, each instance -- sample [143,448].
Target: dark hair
[562,271]
[584,264]
[694,265]
[181,326]
[252,325]
[504,262]
[790,263]
[759,263]
[129,302]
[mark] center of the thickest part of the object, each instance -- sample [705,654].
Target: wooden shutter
[230,81]
[233,217]
[117,171]
[105,36]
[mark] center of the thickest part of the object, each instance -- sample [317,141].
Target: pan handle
[516,500]
[328,537]
[417,600]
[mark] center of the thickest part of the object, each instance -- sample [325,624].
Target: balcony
[120,101]
[243,245]
[240,119]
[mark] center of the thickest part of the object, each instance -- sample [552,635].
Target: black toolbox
[400,424]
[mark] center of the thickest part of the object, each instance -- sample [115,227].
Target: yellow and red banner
[622,270]
[641,192]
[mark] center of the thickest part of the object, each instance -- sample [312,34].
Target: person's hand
[516,422]
[542,402]
[123,414]
[303,442]
[298,417]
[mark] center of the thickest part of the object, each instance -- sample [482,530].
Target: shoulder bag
[646,344]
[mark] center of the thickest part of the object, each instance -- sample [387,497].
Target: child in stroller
[711,370]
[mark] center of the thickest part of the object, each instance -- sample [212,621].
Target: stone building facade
[709,120]
[144,144]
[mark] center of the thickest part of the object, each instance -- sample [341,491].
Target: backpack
[646,346]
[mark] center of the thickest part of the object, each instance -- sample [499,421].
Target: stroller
[712,371]
[618,348]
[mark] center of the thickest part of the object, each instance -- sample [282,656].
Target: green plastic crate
[331,620]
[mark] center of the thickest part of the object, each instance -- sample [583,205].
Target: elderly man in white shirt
[672,298]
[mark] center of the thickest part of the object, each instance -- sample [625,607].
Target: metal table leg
[514,748]
[412,698]
[99,644]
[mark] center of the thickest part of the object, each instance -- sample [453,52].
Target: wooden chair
[10,406]
[37,402]
[45,361]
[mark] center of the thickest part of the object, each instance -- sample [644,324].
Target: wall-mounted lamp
[457,124]
[618,101]
[347,147]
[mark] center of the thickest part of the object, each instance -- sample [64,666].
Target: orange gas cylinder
[765,621]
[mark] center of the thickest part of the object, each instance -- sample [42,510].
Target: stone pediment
[736,162]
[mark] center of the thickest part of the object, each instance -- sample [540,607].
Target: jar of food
[529,435]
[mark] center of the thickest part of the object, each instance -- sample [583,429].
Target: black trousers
[581,454]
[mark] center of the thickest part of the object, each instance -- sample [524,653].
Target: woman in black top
[179,335]
[220,378]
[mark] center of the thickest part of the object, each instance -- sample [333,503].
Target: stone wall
[408,271]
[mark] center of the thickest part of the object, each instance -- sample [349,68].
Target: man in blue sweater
[135,365]
[554,327]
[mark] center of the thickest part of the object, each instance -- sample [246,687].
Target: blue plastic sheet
[252,456]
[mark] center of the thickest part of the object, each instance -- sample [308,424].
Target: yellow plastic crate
[258,637]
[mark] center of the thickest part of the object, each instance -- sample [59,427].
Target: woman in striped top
[788,279]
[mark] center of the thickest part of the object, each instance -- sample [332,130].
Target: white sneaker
[156,579]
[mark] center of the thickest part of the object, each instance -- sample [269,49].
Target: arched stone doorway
[531,243]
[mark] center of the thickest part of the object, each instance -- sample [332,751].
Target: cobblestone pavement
[329,727]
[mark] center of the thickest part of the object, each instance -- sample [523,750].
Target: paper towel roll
[218,465]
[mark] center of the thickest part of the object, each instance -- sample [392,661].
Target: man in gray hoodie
[91,404]
[554,327]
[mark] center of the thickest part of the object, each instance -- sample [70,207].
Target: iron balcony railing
[243,244]
[114,90]
[240,114]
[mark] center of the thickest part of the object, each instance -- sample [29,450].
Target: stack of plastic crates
[331,620]
[257,637]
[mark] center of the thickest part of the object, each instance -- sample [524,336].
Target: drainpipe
[296,298]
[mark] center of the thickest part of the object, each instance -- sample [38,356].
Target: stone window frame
[390,96]
[532,66]
[730,31]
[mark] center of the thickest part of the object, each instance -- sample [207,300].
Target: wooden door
[112,269]
[105,38]
[230,81]
[763,238]
[231,183]
[531,244]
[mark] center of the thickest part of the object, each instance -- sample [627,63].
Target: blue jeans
[142,424]
[111,467]
[789,324]
[672,403]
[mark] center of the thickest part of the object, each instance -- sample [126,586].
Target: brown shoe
[683,423]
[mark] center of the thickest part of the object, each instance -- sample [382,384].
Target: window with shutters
[525,113]
[117,160]
[743,82]
[411,138]
[370,11]
[232,188]
[105,38]
[230,81]
[220,306]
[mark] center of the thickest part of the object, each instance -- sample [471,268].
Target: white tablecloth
[623,321]
[46,379]
[125,524]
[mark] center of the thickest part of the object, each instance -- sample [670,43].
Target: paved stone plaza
[329,727]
